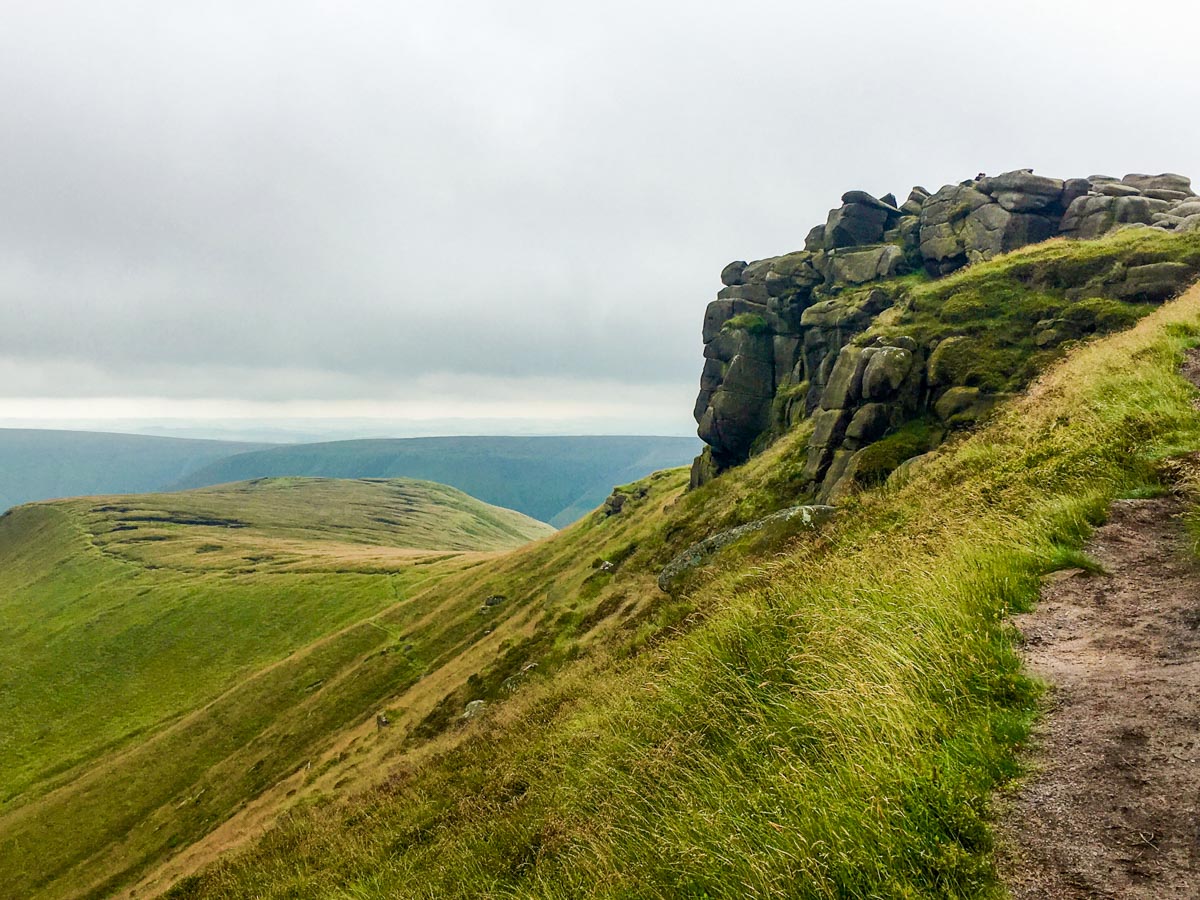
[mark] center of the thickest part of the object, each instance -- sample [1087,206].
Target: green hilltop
[555,479]
[145,637]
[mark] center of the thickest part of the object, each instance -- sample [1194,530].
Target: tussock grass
[832,717]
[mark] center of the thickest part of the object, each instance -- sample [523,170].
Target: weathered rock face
[778,337]
[977,220]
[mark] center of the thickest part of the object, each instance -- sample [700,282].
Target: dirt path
[1113,806]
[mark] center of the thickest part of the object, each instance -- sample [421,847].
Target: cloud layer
[303,202]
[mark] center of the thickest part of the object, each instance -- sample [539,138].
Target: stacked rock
[1161,201]
[977,220]
[774,337]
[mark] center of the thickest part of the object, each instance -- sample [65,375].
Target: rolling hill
[134,629]
[555,479]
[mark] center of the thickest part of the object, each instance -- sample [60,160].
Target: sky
[492,217]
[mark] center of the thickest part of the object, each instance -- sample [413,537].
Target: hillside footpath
[1112,809]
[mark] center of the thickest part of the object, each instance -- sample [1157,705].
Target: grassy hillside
[38,464]
[807,715]
[555,479]
[144,638]
[813,716]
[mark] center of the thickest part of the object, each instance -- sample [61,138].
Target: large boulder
[1097,214]
[1117,189]
[839,477]
[732,273]
[698,553]
[916,199]
[1188,208]
[977,220]
[943,219]
[1165,182]
[992,230]
[862,198]
[870,422]
[845,381]
[849,311]
[792,276]
[829,427]
[737,386]
[886,372]
[1022,191]
[862,266]
[1154,282]
[1015,201]
[1189,224]
[1073,188]
[1088,216]
[716,315]
[855,225]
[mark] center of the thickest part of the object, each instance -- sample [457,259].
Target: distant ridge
[554,479]
[46,464]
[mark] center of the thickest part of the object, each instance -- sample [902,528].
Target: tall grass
[830,724]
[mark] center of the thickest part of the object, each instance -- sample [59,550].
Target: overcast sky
[512,211]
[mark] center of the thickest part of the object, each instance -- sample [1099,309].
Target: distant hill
[554,479]
[44,464]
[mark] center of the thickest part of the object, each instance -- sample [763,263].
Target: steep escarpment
[879,329]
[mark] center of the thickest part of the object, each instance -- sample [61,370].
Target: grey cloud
[367,192]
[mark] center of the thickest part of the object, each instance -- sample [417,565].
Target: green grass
[884,456]
[121,617]
[994,311]
[825,718]
[812,715]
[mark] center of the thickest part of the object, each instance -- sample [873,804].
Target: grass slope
[37,464]
[811,715]
[555,479]
[130,626]
[820,716]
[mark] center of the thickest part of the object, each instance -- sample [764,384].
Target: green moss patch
[750,322]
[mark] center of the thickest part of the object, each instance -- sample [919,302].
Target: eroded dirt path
[1112,808]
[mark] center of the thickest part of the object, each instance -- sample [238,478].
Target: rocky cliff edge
[863,335]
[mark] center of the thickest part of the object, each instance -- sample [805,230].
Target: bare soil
[1111,809]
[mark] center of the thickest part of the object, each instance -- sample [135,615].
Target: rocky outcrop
[697,553]
[977,220]
[778,338]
